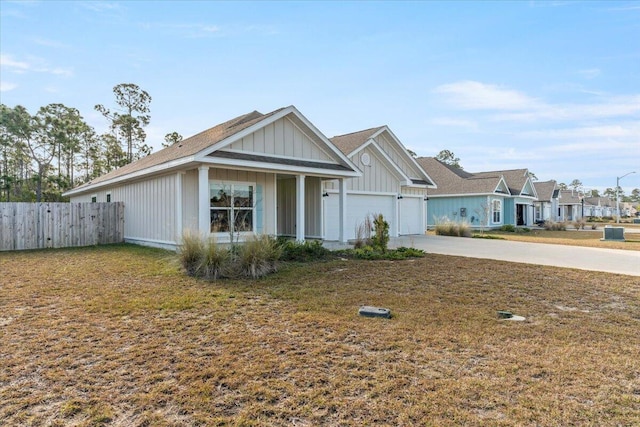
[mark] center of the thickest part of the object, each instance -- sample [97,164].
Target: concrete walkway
[594,259]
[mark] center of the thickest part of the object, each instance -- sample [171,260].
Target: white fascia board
[404,179]
[143,172]
[435,196]
[324,139]
[280,114]
[271,168]
[404,152]
[257,153]
[503,181]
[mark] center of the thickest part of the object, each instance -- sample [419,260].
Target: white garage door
[358,207]
[411,215]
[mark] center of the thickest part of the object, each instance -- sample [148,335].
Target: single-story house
[599,207]
[570,205]
[254,174]
[461,196]
[546,205]
[518,209]
[392,184]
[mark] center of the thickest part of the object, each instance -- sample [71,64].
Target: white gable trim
[275,168]
[201,156]
[502,184]
[404,179]
[163,167]
[406,154]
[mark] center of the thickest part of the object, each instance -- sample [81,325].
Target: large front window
[496,211]
[231,207]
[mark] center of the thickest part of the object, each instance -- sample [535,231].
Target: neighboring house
[518,209]
[392,184]
[479,199]
[599,207]
[255,174]
[570,205]
[546,205]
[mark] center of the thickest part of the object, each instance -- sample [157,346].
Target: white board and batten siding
[282,138]
[59,225]
[286,209]
[149,208]
[400,159]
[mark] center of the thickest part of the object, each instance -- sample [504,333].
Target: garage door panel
[359,206]
[411,215]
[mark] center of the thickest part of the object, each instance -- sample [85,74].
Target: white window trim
[222,234]
[493,211]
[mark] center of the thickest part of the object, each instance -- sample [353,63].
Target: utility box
[613,233]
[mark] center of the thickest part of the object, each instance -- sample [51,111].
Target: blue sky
[551,86]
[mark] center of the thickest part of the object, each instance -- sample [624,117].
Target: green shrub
[380,237]
[509,228]
[371,253]
[302,252]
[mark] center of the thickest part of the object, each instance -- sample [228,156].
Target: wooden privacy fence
[60,225]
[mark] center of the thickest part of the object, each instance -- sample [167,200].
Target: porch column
[342,209]
[300,219]
[204,215]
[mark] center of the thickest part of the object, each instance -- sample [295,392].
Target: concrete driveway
[594,259]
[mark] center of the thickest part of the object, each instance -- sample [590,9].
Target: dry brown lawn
[118,336]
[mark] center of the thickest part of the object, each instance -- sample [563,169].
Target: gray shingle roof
[545,190]
[451,180]
[187,147]
[347,143]
[515,178]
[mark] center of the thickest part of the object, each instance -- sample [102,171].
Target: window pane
[243,196]
[219,220]
[243,220]
[219,195]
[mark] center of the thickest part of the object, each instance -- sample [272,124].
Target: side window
[94,199]
[496,211]
[108,197]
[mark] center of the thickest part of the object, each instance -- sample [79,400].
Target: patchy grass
[588,238]
[119,336]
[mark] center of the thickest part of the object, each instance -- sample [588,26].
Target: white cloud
[590,73]
[36,65]
[621,130]
[6,86]
[454,122]
[50,43]
[472,95]
[7,61]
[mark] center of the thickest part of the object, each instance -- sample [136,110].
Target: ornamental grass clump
[214,260]
[555,226]
[258,257]
[446,227]
[191,252]
[206,259]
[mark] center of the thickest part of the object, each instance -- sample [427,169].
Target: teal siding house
[483,200]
